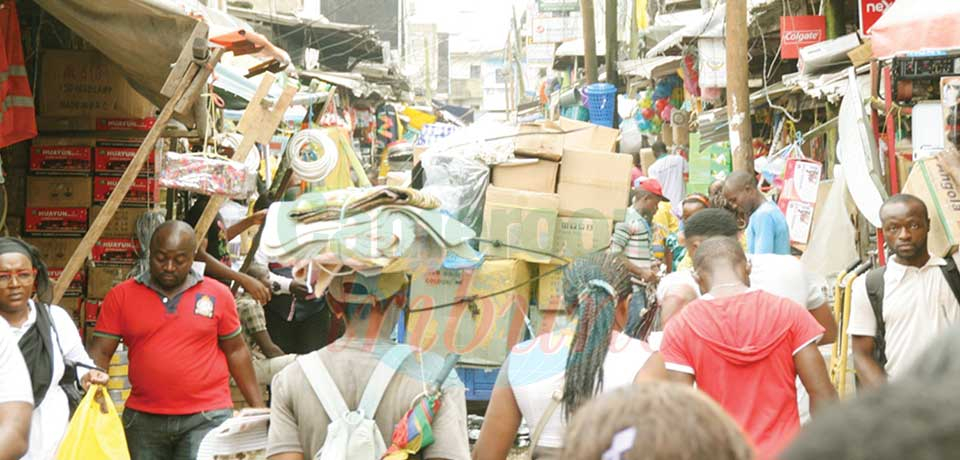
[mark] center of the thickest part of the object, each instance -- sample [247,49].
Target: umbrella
[916,25]
[414,432]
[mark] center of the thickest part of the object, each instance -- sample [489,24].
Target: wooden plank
[129,175]
[178,71]
[257,125]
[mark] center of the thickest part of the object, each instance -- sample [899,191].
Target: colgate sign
[870,12]
[799,31]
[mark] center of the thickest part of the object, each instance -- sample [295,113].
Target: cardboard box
[15,183]
[76,286]
[115,251]
[101,280]
[55,221]
[588,136]
[123,224]
[593,183]
[531,175]
[72,306]
[55,252]
[523,219]
[113,157]
[483,336]
[578,236]
[126,124]
[550,287]
[930,182]
[15,225]
[540,140]
[61,156]
[86,84]
[59,192]
[139,194]
[647,158]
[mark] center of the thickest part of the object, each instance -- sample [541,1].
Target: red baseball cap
[651,185]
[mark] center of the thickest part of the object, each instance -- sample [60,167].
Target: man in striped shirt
[634,238]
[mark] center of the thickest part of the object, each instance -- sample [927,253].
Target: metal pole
[738,92]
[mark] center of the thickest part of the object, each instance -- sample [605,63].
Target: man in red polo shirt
[183,336]
[745,347]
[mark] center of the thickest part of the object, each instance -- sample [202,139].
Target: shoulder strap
[381,377]
[542,423]
[952,274]
[323,385]
[875,286]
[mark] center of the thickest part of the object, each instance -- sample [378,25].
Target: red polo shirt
[176,364]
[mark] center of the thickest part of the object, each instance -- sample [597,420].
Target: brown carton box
[531,175]
[55,252]
[594,184]
[588,136]
[521,219]
[540,140]
[86,84]
[123,224]
[59,192]
[101,279]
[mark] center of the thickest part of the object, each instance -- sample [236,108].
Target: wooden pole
[191,72]
[589,41]
[612,43]
[738,92]
[634,33]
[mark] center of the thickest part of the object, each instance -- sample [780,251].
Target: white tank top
[536,369]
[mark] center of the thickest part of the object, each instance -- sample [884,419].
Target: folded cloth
[350,202]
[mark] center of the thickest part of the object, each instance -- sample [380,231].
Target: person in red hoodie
[744,348]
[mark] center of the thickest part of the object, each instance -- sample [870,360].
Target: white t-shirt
[780,275]
[917,306]
[49,422]
[669,170]
[15,383]
[536,368]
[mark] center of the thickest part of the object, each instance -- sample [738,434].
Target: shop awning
[575,48]
[917,25]
[650,68]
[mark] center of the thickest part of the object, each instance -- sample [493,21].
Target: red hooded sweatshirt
[740,351]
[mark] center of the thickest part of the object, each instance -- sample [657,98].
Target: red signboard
[799,31]
[870,11]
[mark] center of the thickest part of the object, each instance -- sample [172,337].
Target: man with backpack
[344,400]
[897,309]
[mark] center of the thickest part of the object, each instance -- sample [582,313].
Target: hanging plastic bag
[208,175]
[92,433]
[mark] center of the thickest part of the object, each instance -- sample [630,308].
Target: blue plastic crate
[478,382]
[602,99]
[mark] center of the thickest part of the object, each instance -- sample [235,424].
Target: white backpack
[352,434]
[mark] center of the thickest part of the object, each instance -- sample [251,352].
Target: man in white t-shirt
[16,398]
[780,275]
[671,171]
[917,302]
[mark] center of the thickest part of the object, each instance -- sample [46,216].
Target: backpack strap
[875,286]
[381,377]
[952,274]
[323,386]
[542,423]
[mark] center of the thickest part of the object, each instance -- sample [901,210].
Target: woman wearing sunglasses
[48,341]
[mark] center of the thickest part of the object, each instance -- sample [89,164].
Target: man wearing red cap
[634,237]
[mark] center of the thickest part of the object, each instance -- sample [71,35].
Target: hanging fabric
[18,120]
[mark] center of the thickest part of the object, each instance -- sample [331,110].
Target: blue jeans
[635,311]
[169,437]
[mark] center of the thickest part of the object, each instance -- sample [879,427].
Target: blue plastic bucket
[602,98]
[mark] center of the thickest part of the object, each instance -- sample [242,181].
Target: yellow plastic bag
[94,434]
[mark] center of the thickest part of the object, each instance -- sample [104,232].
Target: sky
[474,25]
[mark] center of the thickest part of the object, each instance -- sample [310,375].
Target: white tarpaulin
[857,150]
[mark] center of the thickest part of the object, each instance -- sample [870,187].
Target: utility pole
[426,63]
[589,41]
[634,33]
[611,37]
[738,92]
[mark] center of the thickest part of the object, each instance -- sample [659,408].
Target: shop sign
[799,31]
[540,54]
[556,30]
[870,12]
[550,6]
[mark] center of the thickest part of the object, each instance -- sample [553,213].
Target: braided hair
[592,287]
[42,286]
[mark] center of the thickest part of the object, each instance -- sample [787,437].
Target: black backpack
[875,286]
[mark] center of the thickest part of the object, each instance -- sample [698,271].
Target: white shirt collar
[896,271]
[31,318]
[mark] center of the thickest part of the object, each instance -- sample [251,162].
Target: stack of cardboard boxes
[560,197]
[89,119]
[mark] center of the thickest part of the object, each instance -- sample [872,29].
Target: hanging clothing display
[18,120]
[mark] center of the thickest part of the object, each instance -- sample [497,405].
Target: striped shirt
[633,238]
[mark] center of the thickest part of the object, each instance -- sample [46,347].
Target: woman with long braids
[565,368]
[48,341]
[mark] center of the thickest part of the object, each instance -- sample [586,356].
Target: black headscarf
[36,345]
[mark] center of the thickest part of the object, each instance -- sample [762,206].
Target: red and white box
[140,191]
[60,159]
[115,251]
[125,124]
[55,221]
[114,157]
[92,310]
[76,285]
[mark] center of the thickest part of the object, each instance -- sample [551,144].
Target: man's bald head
[740,179]
[172,248]
[740,190]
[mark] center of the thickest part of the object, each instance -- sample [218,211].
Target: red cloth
[18,120]
[176,364]
[740,350]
